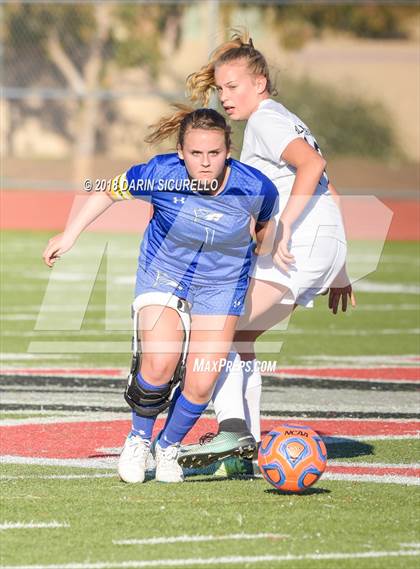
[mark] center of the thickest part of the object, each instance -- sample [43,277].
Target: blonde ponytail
[200,84]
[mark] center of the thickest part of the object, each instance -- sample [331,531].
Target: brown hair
[185,119]
[201,83]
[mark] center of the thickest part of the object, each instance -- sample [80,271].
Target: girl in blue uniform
[198,248]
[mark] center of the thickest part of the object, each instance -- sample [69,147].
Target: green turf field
[386,321]
[334,517]
[336,525]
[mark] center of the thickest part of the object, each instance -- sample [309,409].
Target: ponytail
[200,84]
[167,126]
[187,118]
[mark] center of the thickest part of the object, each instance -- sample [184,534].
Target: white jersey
[268,132]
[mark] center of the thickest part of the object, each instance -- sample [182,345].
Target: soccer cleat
[236,467]
[212,448]
[151,462]
[133,459]
[167,467]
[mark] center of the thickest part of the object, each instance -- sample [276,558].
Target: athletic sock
[252,396]
[143,426]
[174,399]
[228,396]
[184,416]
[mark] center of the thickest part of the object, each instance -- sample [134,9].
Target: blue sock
[174,399]
[143,426]
[184,416]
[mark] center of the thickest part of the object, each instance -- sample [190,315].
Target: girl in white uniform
[309,256]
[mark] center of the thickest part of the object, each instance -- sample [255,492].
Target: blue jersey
[195,236]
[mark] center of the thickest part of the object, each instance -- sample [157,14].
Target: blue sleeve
[138,182]
[270,201]
[141,179]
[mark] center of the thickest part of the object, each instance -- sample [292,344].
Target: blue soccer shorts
[209,299]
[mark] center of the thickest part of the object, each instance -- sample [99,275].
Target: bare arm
[61,243]
[309,166]
[265,233]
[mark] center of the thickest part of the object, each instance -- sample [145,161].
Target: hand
[337,294]
[56,247]
[282,256]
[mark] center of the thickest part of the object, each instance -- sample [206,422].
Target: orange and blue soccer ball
[292,458]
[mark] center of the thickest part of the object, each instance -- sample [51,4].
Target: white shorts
[315,268]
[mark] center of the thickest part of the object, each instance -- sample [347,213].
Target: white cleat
[150,462]
[167,467]
[133,460]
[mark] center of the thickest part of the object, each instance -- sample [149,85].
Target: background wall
[83,81]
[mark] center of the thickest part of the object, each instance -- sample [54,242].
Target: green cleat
[236,467]
[212,448]
[231,467]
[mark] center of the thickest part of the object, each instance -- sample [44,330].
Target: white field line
[104,463]
[78,417]
[367,361]
[195,538]
[54,389]
[375,478]
[55,476]
[53,333]
[348,440]
[363,362]
[76,320]
[6,356]
[381,332]
[122,309]
[110,464]
[386,307]
[397,288]
[233,560]
[411,545]
[62,308]
[410,465]
[32,525]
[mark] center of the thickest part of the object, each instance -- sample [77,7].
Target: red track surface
[82,440]
[374,470]
[50,210]
[401,373]
[379,373]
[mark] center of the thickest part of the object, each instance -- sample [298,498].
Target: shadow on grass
[307,492]
[341,447]
[347,448]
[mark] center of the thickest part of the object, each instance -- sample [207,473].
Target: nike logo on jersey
[208,215]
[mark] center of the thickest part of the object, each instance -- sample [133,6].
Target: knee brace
[147,402]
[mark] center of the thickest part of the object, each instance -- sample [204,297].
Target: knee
[197,393]
[156,369]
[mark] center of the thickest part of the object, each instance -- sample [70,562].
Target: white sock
[252,387]
[227,397]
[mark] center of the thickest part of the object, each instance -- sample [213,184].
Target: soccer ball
[292,458]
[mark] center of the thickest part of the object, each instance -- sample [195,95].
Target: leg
[261,313]
[210,343]
[157,324]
